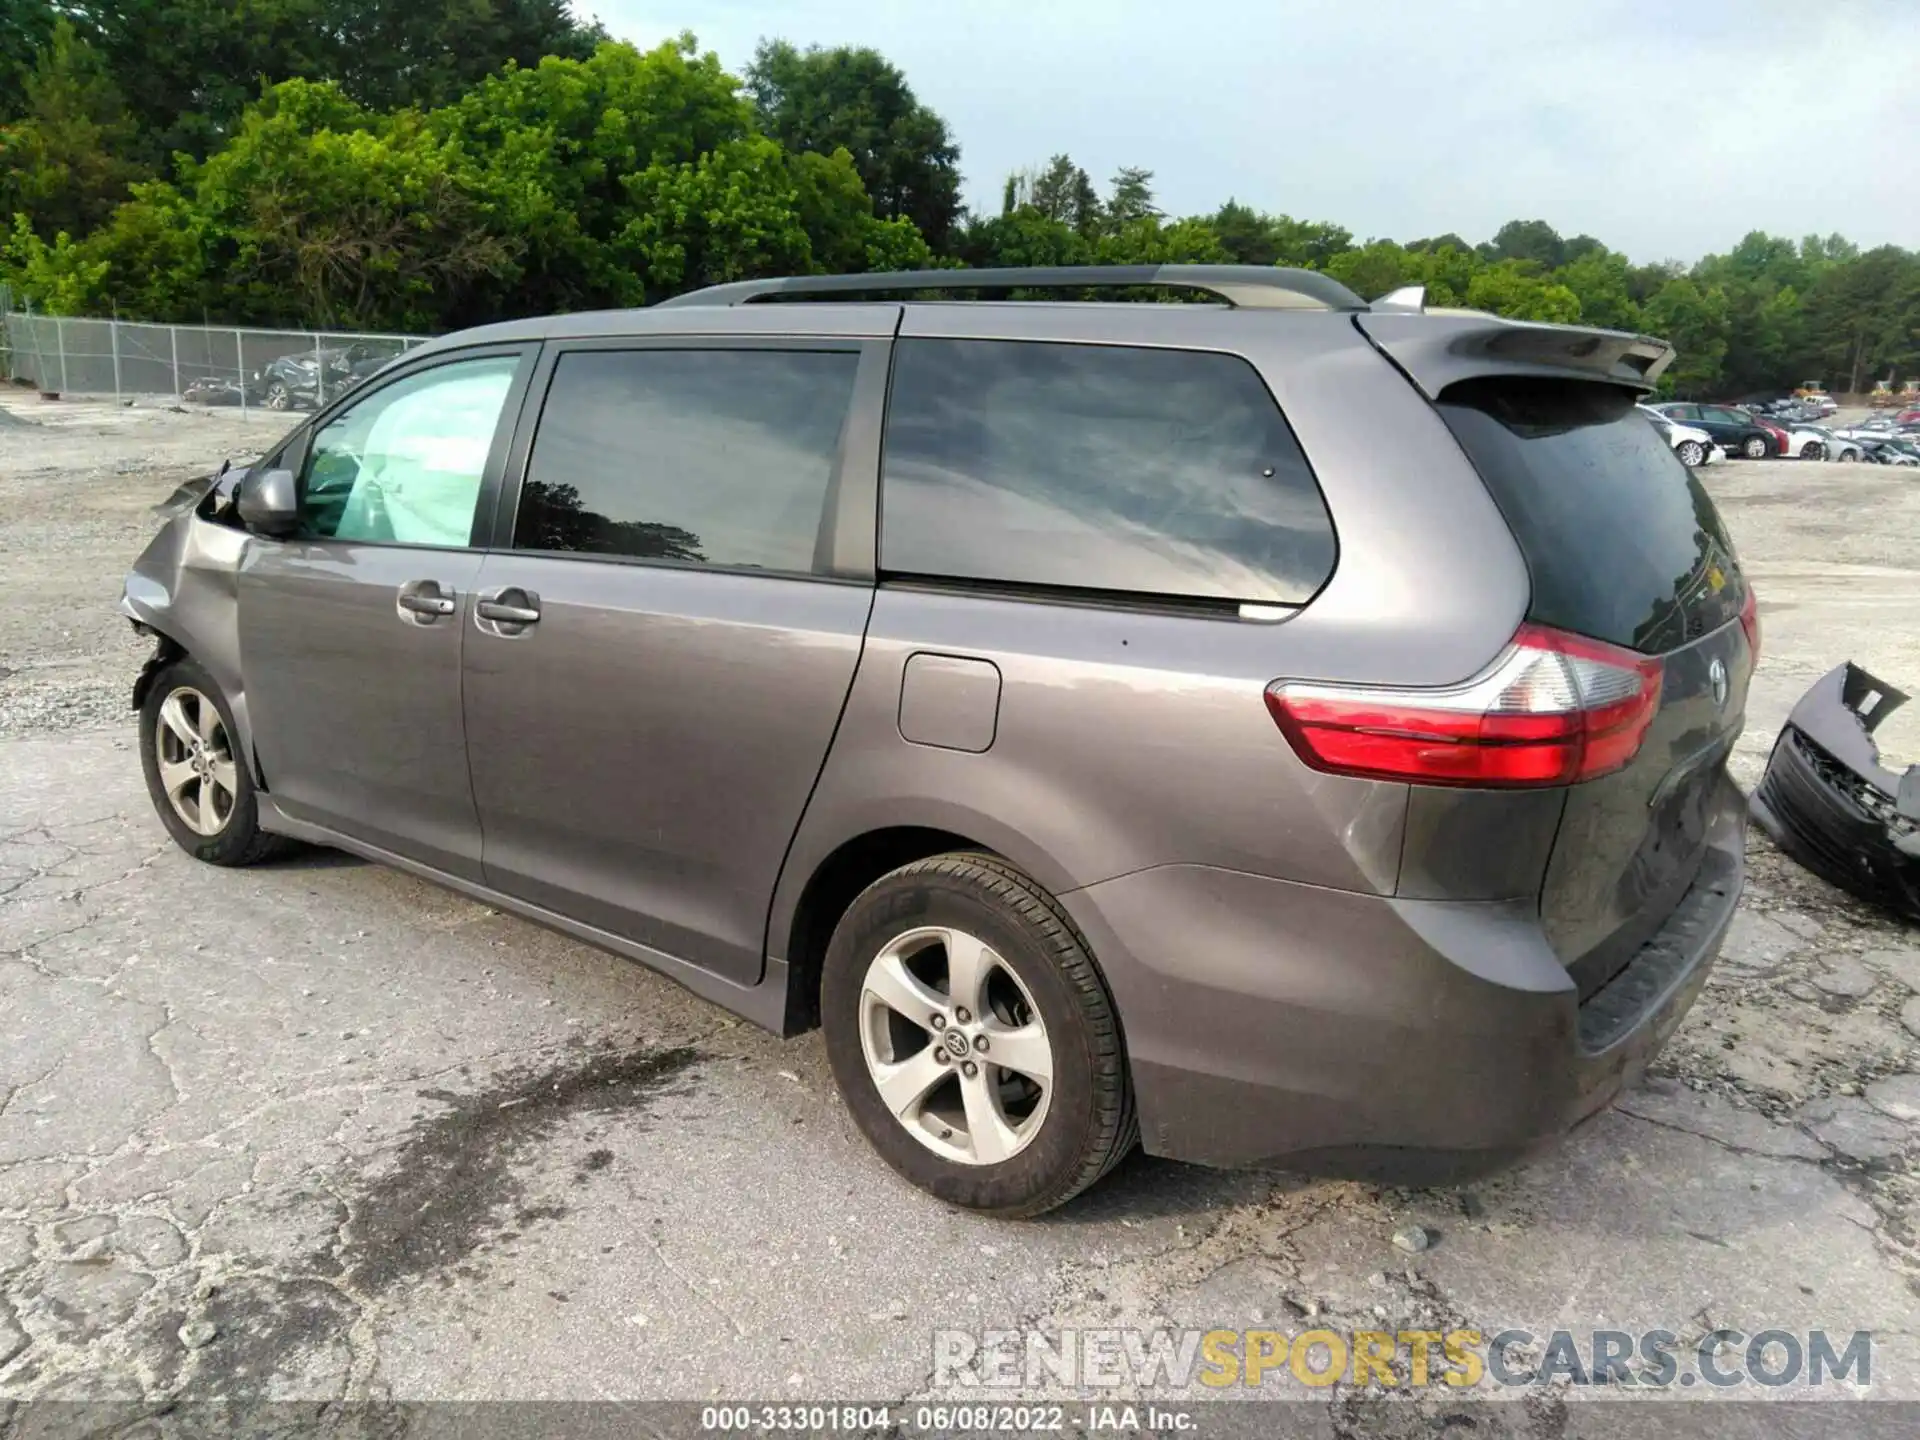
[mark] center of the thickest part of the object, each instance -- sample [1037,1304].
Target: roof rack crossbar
[1252,287]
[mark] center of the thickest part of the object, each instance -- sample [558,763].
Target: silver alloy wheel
[197,769]
[1691,452]
[1755,448]
[967,1069]
[279,397]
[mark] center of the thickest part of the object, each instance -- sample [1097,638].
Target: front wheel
[1814,451]
[973,1037]
[1691,452]
[1755,448]
[197,778]
[279,397]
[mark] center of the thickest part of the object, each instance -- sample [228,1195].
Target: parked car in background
[1734,430]
[1815,442]
[1776,432]
[307,379]
[1693,446]
[1894,450]
[985,684]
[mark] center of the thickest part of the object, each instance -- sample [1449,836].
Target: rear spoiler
[1438,348]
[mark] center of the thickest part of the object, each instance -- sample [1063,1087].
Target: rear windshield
[1622,542]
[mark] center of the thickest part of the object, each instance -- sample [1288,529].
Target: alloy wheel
[955,1045]
[195,755]
[1691,452]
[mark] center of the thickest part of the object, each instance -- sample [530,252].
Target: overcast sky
[1668,128]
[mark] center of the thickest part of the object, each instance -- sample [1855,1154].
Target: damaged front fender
[1828,801]
[184,590]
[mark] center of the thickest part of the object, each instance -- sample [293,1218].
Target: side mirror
[269,503]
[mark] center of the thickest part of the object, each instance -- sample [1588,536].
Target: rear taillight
[1553,709]
[1750,622]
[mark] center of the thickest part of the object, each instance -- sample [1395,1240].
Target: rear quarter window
[1621,540]
[1097,469]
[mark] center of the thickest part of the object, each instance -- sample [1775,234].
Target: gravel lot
[319,1130]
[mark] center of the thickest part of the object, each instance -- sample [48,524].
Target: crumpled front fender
[184,589]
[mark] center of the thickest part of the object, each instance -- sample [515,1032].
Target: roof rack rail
[1251,287]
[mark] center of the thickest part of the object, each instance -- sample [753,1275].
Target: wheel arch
[833,884]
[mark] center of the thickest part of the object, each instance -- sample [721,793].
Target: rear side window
[1097,468]
[1621,541]
[704,457]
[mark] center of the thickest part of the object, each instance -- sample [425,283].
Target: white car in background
[1694,447]
[1816,442]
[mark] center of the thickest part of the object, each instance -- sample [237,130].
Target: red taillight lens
[1750,622]
[1554,709]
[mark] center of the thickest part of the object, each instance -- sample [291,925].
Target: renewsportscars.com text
[1146,1360]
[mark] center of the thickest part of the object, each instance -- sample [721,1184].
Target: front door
[350,632]
[655,668]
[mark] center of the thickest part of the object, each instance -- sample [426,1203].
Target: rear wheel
[1691,452]
[974,1039]
[197,778]
[1755,448]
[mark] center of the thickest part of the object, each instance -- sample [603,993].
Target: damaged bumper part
[1829,803]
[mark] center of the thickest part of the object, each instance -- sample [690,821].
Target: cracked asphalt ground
[319,1130]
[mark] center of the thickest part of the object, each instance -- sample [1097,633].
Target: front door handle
[511,606]
[423,601]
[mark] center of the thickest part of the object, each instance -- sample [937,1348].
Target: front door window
[404,465]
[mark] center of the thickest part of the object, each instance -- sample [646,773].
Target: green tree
[1062,191]
[729,215]
[429,52]
[1024,237]
[64,162]
[1245,234]
[1864,316]
[1533,240]
[1375,268]
[1602,282]
[1308,243]
[1150,241]
[1130,197]
[26,26]
[59,277]
[1694,321]
[552,146]
[852,98]
[1510,288]
[189,67]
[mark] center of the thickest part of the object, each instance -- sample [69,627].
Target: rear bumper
[1408,1040]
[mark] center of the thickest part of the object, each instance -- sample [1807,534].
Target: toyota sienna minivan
[1275,729]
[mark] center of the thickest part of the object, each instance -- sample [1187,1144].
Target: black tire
[1755,447]
[279,397]
[1814,451]
[1089,1125]
[1691,453]
[239,840]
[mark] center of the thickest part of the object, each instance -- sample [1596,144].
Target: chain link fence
[275,370]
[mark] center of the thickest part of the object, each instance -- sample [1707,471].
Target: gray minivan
[1276,729]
